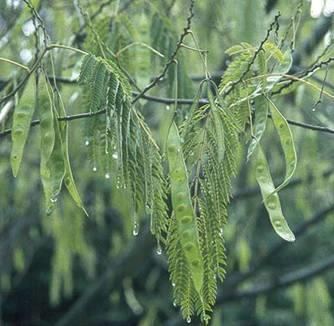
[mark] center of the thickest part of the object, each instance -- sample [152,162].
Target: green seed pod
[271,198]
[46,113]
[287,143]
[181,201]
[53,171]
[21,125]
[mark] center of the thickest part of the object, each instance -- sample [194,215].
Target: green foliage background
[70,269]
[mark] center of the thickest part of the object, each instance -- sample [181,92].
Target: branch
[252,191]
[279,246]
[323,26]
[98,12]
[126,265]
[299,275]
[167,101]
[172,59]
[256,53]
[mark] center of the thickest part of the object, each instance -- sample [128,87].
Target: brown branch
[256,53]
[299,275]
[172,59]
[300,230]
[170,101]
[252,191]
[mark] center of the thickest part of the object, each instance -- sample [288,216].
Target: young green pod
[271,198]
[183,210]
[287,143]
[21,125]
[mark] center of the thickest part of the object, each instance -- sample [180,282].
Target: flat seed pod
[68,178]
[271,198]
[21,125]
[287,143]
[45,108]
[53,171]
[261,116]
[218,126]
[183,210]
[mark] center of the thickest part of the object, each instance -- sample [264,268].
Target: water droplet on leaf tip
[167,108]
[135,230]
[94,169]
[159,249]
[107,176]
[87,142]
[173,285]
[188,320]
[174,303]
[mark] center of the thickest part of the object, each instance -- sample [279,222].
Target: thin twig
[279,246]
[172,59]
[256,53]
[171,101]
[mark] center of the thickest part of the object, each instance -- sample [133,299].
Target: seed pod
[53,171]
[21,125]
[271,198]
[287,143]
[183,210]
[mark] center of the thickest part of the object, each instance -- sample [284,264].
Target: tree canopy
[166,162]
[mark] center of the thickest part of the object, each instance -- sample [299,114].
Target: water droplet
[87,142]
[182,140]
[53,199]
[94,169]
[313,109]
[117,185]
[115,156]
[173,285]
[124,186]
[107,175]
[135,230]
[191,153]
[167,108]
[159,249]
[188,320]
[174,303]
[179,150]
[186,117]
